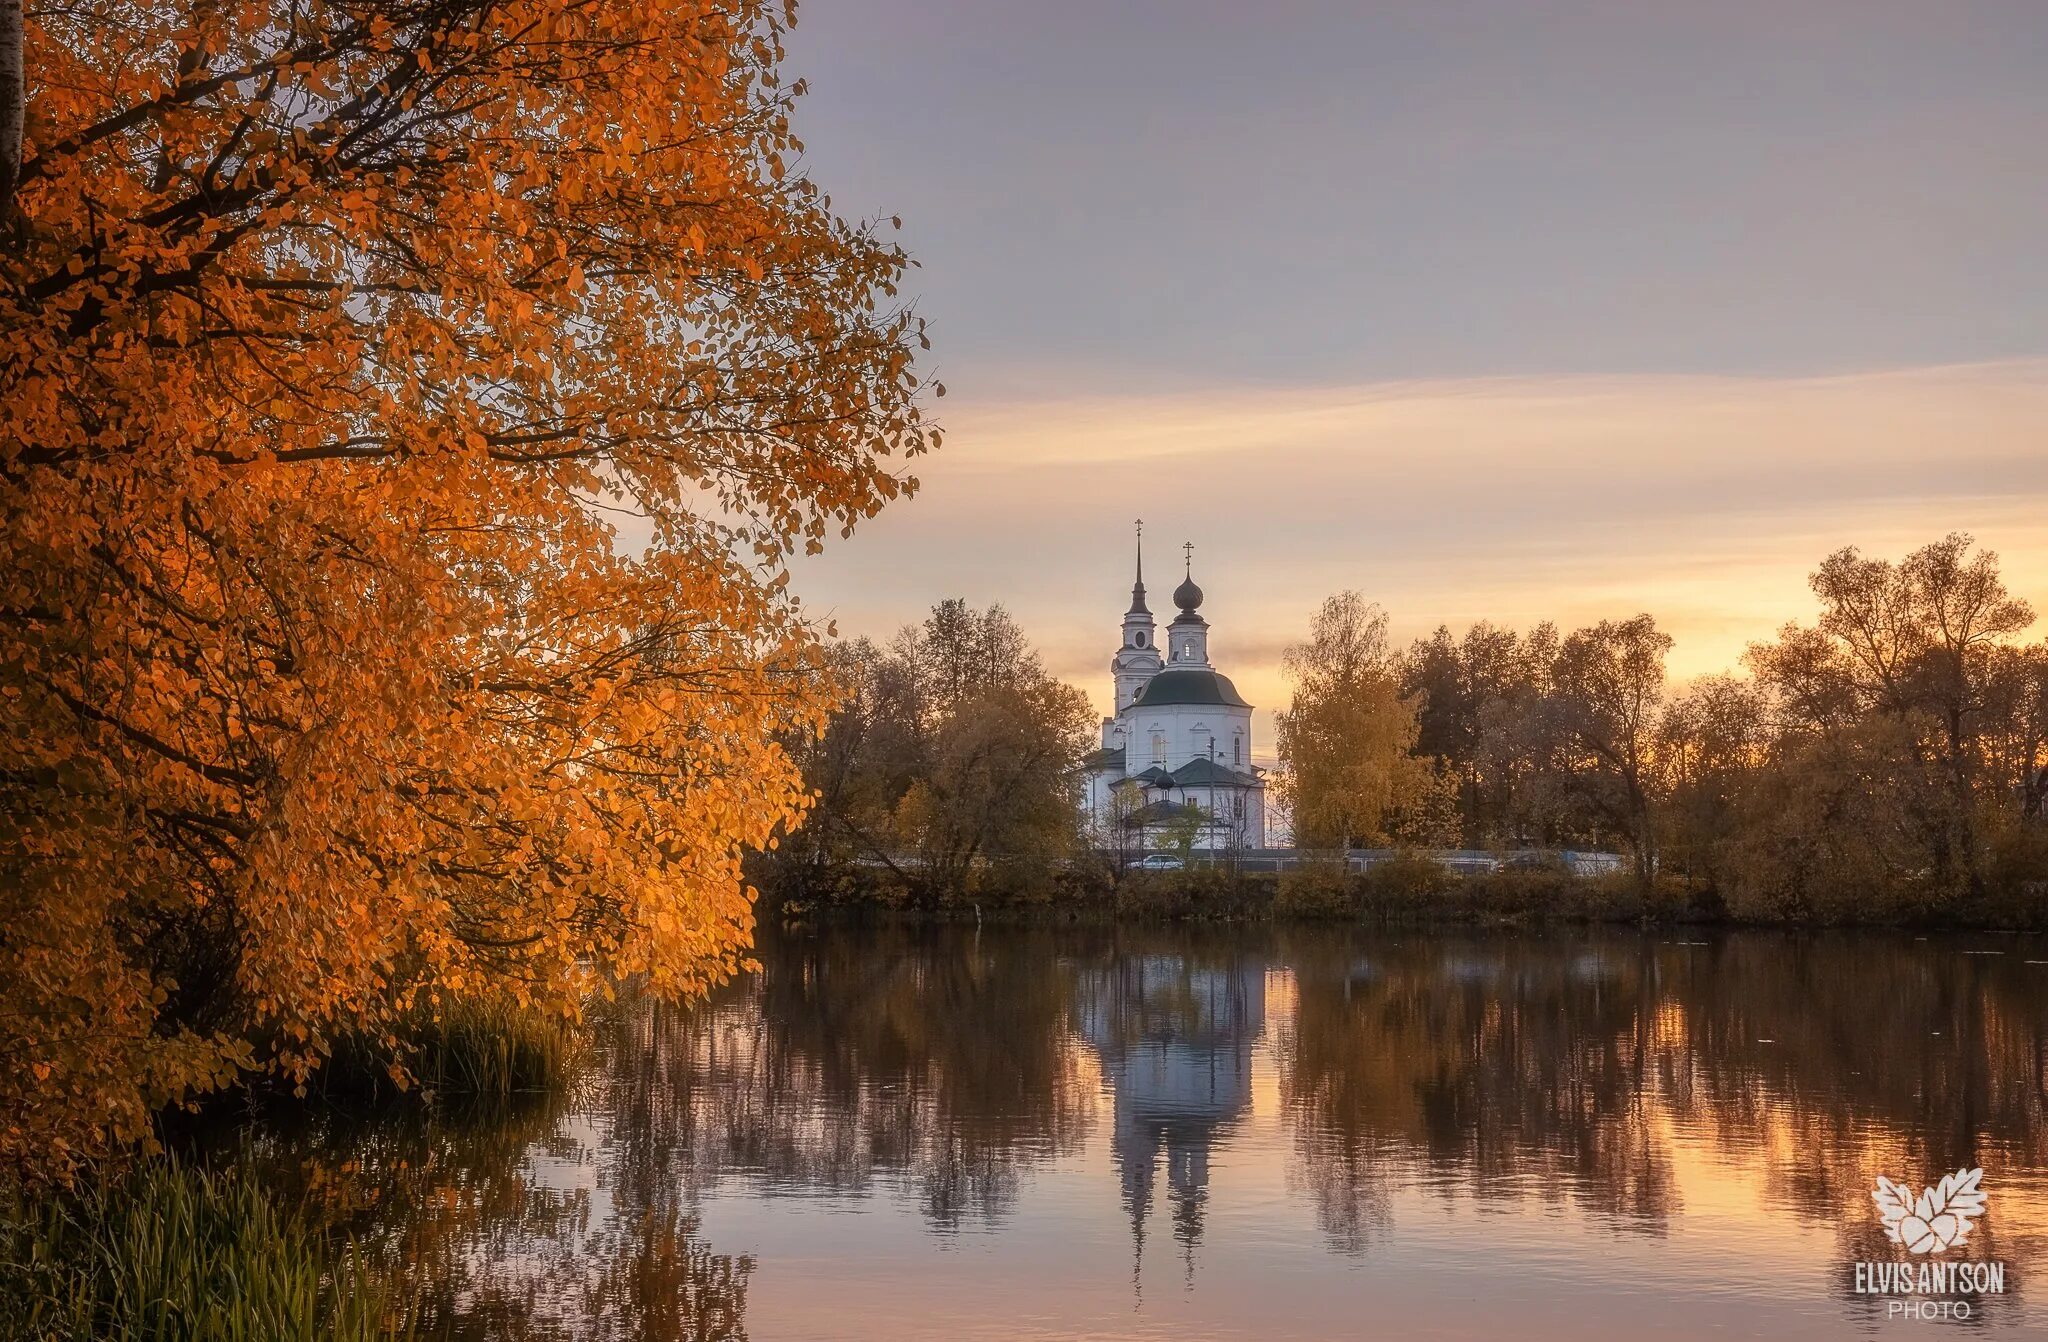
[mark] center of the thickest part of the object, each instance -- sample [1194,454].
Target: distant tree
[1471,691]
[1902,668]
[958,748]
[834,760]
[1120,833]
[1184,829]
[1711,741]
[1346,737]
[1433,815]
[2015,736]
[1596,728]
[1236,832]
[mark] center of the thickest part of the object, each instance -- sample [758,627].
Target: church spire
[1138,606]
[1139,657]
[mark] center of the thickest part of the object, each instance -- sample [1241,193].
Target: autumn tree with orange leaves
[335,339]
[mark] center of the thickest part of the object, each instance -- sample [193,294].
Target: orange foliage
[333,336]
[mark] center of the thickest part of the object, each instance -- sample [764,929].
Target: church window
[1138,639]
[1237,750]
[1158,746]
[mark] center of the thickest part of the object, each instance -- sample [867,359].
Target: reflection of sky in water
[1447,1259]
[1250,1135]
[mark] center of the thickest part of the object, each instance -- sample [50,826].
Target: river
[1241,1133]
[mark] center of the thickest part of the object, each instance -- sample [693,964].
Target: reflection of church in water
[1175,1038]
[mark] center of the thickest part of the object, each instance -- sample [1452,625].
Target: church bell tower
[1138,660]
[1188,636]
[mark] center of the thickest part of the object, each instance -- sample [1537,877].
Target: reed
[491,1048]
[171,1252]
[484,1048]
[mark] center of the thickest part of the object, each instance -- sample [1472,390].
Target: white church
[1181,736]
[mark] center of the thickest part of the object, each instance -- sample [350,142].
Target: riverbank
[167,1248]
[1404,890]
[210,1235]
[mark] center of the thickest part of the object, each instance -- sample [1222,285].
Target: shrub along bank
[1406,889]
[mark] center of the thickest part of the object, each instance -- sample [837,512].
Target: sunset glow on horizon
[1705,501]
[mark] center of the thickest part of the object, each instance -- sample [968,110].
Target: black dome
[1187,596]
[1189,685]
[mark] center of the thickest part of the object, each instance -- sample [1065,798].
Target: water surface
[1239,1134]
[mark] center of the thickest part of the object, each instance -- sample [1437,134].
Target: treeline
[953,753]
[1884,760]
[1881,762]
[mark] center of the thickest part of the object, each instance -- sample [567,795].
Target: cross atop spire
[1187,554]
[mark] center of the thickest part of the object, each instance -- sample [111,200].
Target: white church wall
[1187,729]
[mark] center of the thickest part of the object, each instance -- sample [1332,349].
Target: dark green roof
[1207,773]
[1163,812]
[1188,685]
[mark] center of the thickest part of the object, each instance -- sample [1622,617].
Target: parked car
[1160,862]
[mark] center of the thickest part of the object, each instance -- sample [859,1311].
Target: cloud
[1704,500]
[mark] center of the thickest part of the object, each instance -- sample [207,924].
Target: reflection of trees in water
[939,1066]
[934,1058]
[847,1060]
[498,1223]
[1566,1067]
[1513,1068]
[1886,1056]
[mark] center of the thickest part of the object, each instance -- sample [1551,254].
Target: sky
[1507,311]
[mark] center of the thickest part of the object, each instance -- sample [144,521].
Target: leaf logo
[1940,1218]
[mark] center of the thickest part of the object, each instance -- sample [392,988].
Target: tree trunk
[1962,801]
[1645,837]
[13,103]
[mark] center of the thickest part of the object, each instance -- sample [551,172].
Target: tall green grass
[491,1048]
[171,1252]
[174,1250]
[470,1049]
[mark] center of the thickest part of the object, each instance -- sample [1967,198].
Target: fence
[1463,861]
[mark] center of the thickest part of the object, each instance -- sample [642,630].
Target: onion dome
[1187,596]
